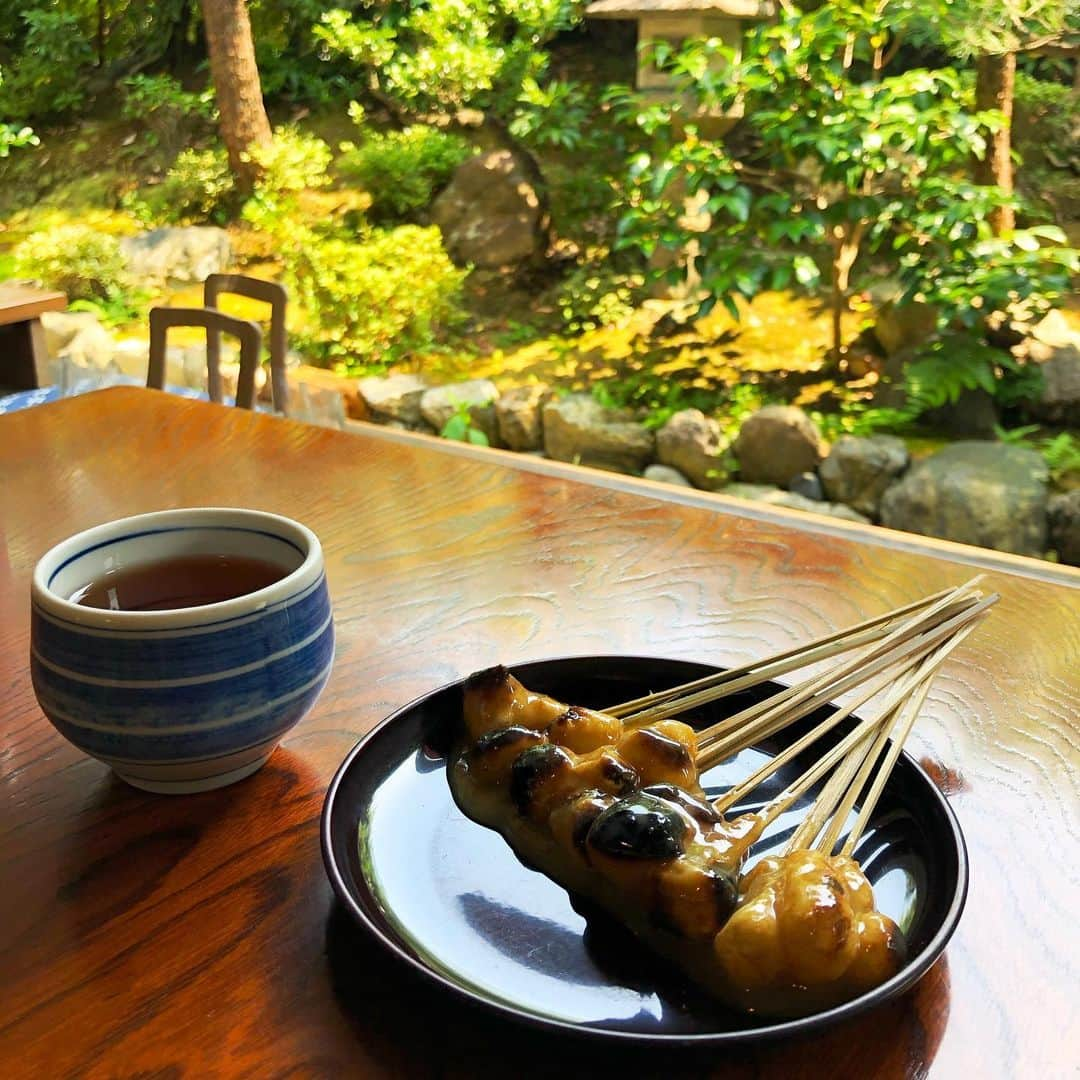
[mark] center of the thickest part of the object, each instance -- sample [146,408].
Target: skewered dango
[804,936]
[624,822]
[611,807]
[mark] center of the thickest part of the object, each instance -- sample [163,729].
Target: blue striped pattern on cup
[198,694]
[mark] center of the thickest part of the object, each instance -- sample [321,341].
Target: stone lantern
[676,21]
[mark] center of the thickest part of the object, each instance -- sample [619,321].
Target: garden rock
[440,403]
[972,416]
[63,327]
[768,493]
[395,397]
[490,213]
[665,474]
[579,429]
[1059,402]
[1063,516]
[859,471]
[904,326]
[188,253]
[321,380]
[691,442]
[808,485]
[520,419]
[987,494]
[131,356]
[777,443]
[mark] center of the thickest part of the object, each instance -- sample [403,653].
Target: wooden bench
[22,337]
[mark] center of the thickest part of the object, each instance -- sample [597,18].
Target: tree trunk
[994,79]
[236,83]
[846,243]
[102,22]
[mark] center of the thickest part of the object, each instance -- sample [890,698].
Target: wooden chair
[268,292]
[214,322]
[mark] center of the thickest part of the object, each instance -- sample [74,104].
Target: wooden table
[194,937]
[22,339]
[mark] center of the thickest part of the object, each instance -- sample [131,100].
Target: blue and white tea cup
[187,699]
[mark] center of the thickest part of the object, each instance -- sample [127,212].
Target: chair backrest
[269,292]
[214,323]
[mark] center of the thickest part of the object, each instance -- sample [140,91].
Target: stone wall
[984,493]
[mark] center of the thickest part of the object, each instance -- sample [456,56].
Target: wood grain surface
[195,936]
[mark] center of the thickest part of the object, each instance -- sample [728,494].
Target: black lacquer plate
[449,897]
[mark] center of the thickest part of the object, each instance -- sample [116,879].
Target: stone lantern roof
[636,9]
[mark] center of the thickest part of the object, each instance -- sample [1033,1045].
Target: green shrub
[375,299]
[292,162]
[402,170]
[593,296]
[76,259]
[12,137]
[49,72]
[197,188]
[161,105]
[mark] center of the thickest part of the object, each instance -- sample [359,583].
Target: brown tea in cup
[183,581]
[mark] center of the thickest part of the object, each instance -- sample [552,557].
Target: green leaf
[806,270]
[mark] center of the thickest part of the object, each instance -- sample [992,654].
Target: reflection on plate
[450,898]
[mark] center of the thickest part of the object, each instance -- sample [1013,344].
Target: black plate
[449,897]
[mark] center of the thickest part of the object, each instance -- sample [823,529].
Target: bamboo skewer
[935,616]
[838,797]
[819,691]
[640,710]
[872,796]
[780,760]
[899,734]
[735,679]
[852,749]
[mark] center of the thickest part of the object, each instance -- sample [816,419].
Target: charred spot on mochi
[586,809]
[492,742]
[621,776]
[701,811]
[639,827]
[566,719]
[725,883]
[532,768]
[669,751]
[487,680]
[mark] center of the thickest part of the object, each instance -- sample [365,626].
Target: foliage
[859,172]
[116,309]
[558,114]
[164,108]
[198,187]
[403,169]
[293,162]
[993,27]
[656,399]
[447,54]
[292,61]
[460,427]
[957,363]
[967,274]
[12,137]
[76,259]
[1061,452]
[374,299]
[596,295]
[50,69]
[369,298]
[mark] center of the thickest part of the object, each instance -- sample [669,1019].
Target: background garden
[863,210]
